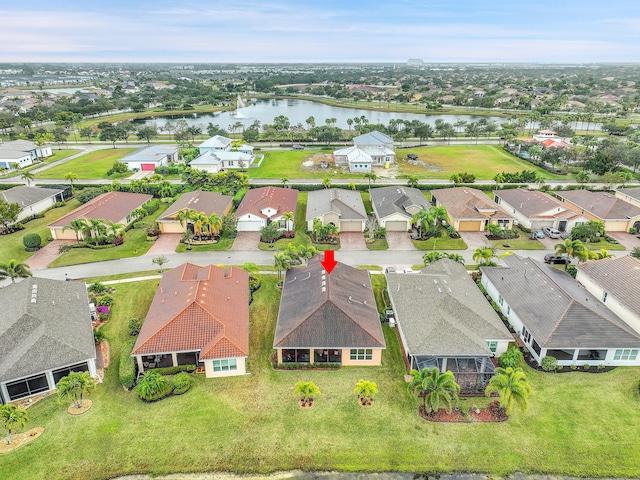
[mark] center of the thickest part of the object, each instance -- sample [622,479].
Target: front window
[493,345]
[626,355]
[361,354]
[225,365]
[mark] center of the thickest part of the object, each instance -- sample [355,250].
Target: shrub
[176,369]
[153,386]
[89,194]
[127,370]
[511,358]
[635,253]
[117,241]
[98,336]
[586,366]
[151,206]
[105,300]
[32,241]
[181,383]
[549,364]
[134,326]
[97,288]
[574,367]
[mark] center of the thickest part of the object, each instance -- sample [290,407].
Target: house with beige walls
[618,215]
[470,210]
[344,208]
[198,200]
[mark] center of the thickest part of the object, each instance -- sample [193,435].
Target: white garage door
[249,225]
[396,226]
[353,226]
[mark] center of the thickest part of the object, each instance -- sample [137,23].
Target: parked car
[556,259]
[538,234]
[298,147]
[391,270]
[551,232]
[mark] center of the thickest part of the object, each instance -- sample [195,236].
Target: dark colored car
[556,259]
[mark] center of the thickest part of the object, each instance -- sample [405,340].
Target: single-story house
[213,161]
[444,320]
[356,158]
[344,208]
[470,210]
[261,206]
[394,207]
[616,282]
[111,206]
[198,316]
[150,157]
[217,143]
[328,318]
[630,195]
[373,149]
[45,333]
[556,316]
[535,210]
[22,153]
[33,200]
[207,202]
[618,215]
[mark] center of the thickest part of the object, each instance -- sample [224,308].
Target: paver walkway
[166,243]
[352,241]
[629,241]
[400,241]
[47,254]
[246,241]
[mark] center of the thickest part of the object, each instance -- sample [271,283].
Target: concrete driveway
[352,241]
[475,240]
[400,241]
[246,241]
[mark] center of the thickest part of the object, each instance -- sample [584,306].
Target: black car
[556,259]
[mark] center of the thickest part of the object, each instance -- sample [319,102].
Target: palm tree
[422,220]
[282,262]
[572,249]
[11,416]
[326,182]
[75,385]
[284,181]
[200,223]
[603,253]
[512,386]
[71,177]
[437,388]
[77,226]
[366,391]
[482,255]
[288,217]
[583,177]
[412,181]
[305,253]
[306,390]
[372,177]
[97,227]
[184,216]
[352,185]
[28,176]
[13,270]
[215,224]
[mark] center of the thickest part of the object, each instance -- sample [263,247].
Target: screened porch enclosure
[471,373]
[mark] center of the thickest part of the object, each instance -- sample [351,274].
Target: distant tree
[28,176]
[371,176]
[160,260]
[9,212]
[147,133]
[412,181]
[71,177]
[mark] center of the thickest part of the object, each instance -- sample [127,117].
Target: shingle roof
[52,332]
[630,192]
[347,204]
[26,196]
[390,200]
[257,199]
[601,204]
[10,153]
[111,206]
[469,203]
[214,157]
[217,141]
[556,309]
[151,153]
[442,312]
[342,313]
[354,155]
[533,203]
[619,277]
[372,138]
[202,309]
[207,202]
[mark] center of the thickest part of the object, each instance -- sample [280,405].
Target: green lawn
[223,244]
[521,243]
[57,155]
[484,161]
[288,163]
[93,165]
[379,244]
[135,240]
[579,424]
[11,245]
[442,243]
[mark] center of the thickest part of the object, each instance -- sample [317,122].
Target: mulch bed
[366,404]
[86,405]
[494,413]
[306,405]
[19,439]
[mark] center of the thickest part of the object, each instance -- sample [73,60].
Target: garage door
[396,226]
[249,226]
[148,166]
[350,226]
[470,226]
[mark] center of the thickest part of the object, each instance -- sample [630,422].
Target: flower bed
[493,413]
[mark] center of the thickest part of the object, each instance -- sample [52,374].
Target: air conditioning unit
[392,322]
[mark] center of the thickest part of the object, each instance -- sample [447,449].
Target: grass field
[288,163]
[93,165]
[57,155]
[484,161]
[579,424]
[11,245]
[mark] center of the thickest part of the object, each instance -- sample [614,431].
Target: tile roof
[51,332]
[601,204]
[533,203]
[556,309]
[469,203]
[200,201]
[619,277]
[347,204]
[390,200]
[342,313]
[441,311]
[257,199]
[111,206]
[26,196]
[203,309]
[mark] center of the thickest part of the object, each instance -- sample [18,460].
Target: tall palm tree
[284,181]
[282,262]
[482,255]
[572,249]
[437,388]
[326,182]
[412,181]
[10,417]
[28,176]
[422,220]
[215,224]
[97,227]
[184,216]
[603,253]
[288,217]
[512,386]
[75,385]
[77,226]
[372,177]
[200,223]
[71,177]
[13,269]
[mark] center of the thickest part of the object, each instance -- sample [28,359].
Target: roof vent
[175,294]
[33,300]
[53,303]
[439,290]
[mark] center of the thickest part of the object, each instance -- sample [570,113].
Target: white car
[551,232]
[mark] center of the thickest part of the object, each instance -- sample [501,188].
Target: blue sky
[215,31]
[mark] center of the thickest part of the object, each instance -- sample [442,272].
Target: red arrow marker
[328,263]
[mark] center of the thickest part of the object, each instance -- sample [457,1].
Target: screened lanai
[472,373]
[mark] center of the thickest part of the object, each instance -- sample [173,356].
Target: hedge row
[127,370]
[176,369]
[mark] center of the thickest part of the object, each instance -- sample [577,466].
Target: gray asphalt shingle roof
[53,332]
[601,204]
[532,203]
[556,309]
[441,311]
[372,138]
[26,196]
[390,200]
[347,204]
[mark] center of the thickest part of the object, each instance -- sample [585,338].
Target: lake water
[297,111]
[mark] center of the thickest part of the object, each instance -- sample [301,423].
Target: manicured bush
[177,369]
[153,386]
[89,194]
[32,241]
[511,358]
[105,300]
[181,383]
[134,326]
[549,363]
[151,206]
[98,336]
[127,369]
[97,288]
